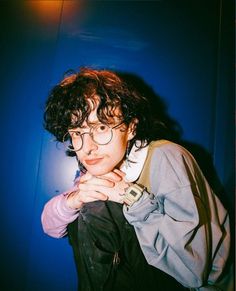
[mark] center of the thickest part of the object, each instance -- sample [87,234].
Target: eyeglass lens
[101,134]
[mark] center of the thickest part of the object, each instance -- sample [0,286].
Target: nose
[88,144]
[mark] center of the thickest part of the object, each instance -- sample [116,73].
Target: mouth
[93,161]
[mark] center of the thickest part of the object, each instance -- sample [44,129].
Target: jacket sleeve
[56,216]
[173,225]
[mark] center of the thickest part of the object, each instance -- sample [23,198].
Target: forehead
[112,117]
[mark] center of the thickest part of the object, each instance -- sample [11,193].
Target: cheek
[118,151]
[112,162]
[119,145]
[118,154]
[113,157]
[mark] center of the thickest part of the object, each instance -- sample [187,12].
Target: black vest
[107,253]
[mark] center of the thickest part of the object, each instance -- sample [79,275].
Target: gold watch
[133,194]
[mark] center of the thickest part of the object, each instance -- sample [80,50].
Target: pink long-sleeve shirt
[57,215]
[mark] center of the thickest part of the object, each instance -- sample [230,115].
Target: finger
[85,177]
[100,182]
[75,200]
[119,172]
[91,196]
[88,187]
[112,176]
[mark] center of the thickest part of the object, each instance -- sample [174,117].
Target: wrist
[133,193]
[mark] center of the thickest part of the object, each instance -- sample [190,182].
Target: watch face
[133,193]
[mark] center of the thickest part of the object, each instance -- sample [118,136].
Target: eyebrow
[93,123]
[83,127]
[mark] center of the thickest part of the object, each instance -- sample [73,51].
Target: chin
[96,171]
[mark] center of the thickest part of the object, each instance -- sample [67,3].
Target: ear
[132,128]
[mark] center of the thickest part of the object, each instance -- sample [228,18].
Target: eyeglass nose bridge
[89,132]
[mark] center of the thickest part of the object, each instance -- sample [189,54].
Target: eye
[101,128]
[74,134]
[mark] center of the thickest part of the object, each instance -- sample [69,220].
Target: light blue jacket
[182,228]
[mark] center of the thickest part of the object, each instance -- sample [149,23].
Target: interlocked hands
[111,186]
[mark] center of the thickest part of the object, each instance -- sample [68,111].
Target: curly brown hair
[69,104]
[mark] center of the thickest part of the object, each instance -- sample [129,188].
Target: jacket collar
[137,158]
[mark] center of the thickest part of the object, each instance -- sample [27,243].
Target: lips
[93,161]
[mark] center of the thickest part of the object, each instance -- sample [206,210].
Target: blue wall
[182,49]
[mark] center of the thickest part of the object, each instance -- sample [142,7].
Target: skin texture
[103,180]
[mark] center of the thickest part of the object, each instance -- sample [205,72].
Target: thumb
[86,177]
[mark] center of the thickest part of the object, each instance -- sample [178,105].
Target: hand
[112,184]
[117,192]
[91,188]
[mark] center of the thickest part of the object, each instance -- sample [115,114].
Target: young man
[141,216]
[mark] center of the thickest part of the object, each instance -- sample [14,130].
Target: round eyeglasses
[101,134]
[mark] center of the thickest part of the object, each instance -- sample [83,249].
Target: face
[101,159]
